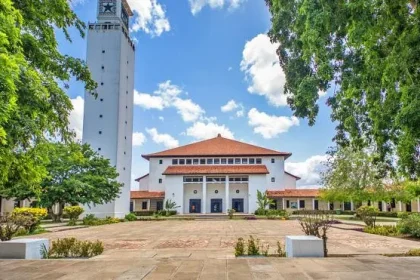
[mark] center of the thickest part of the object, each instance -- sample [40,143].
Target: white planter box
[304,246]
[28,248]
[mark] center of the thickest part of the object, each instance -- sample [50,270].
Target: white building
[211,176]
[108,118]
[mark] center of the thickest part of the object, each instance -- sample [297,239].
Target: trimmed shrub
[91,220]
[240,247]
[367,214]
[414,252]
[144,213]
[231,212]
[280,249]
[317,212]
[73,248]
[73,212]
[131,217]
[253,246]
[33,217]
[410,224]
[382,230]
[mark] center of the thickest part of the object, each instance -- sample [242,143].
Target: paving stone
[185,276]
[266,275]
[294,276]
[135,273]
[239,276]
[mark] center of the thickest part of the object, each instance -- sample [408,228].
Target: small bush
[382,230]
[410,224]
[131,217]
[367,214]
[277,213]
[253,246]
[414,252]
[144,213]
[231,212]
[73,212]
[73,248]
[240,247]
[91,220]
[281,252]
[32,217]
[39,213]
[260,212]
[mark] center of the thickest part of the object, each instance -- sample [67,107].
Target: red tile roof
[294,193]
[297,177]
[146,194]
[139,178]
[215,169]
[217,146]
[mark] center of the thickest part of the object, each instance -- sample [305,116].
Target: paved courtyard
[203,250]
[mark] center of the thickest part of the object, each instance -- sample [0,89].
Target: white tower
[108,119]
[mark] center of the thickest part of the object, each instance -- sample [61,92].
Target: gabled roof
[146,194]
[139,178]
[215,169]
[294,193]
[296,177]
[218,146]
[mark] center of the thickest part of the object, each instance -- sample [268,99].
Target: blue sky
[203,67]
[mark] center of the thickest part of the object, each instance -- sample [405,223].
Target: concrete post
[313,203]
[418,204]
[284,206]
[204,203]
[400,206]
[384,208]
[351,205]
[226,194]
[298,204]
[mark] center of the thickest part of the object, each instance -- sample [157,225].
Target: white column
[351,205]
[284,206]
[313,203]
[418,204]
[298,204]
[204,203]
[149,204]
[226,194]
[384,208]
[134,205]
[400,206]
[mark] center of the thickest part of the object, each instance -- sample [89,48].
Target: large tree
[33,79]
[369,52]
[76,175]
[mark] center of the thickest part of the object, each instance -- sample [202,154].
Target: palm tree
[170,205]
[263,201]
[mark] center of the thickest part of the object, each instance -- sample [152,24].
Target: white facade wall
[289,181]
[243,194]
[174,190]
[256,182]
[155,173]
[111,113]
[144,184]
[211,188]
[189,189]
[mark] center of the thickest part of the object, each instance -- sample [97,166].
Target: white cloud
[230,68]
[74,3]
[309,170]
[161,118]
[167,140]
[150,17]
[148,101]
[202,130]
[231,105]
[169,95]
[138,139]
[241,112]
[322,93]
[263,72]
[198,5]
[270,126]
[76,117]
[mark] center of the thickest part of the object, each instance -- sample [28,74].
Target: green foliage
[410,224]
[281,252]
[414,253]
[16,223]
[367,51]
[382,230]
[73,248]
[263,201]
[91,220]
[240,247]
[253,246]
[230,213]
[34,75]
[170,206]
[317,225]
[32,216]
[131,217]
[73,212]
[277,213]
[367,214]
[77,175]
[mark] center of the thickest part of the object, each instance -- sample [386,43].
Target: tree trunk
[324,240]
[56,217]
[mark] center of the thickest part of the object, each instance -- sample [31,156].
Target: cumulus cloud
[230,68]
[309,170]
[231,105]
[169,95]
[150,17]
[138,139]
[202,130]
[270,126]
[161,118]
[76,116]
[167,140]
[263,72]
[74,3]
[197,5]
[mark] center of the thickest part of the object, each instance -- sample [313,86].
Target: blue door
[195,205]
[216,206]
[238,204]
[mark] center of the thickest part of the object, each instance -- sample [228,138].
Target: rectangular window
[216,161]
[144,205]
[273,179]
[258,161]
[193,179]
[209,161]
[316,204]
[237,161]
[182,161]
[175,161]
[287,204]
[195,161]
[160,161]
[252,161]
[302,204]
[160,181]
[244,161]
[273,160]
[188,161]
[244,179]
[230,161]
[202,161]
[223,161]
